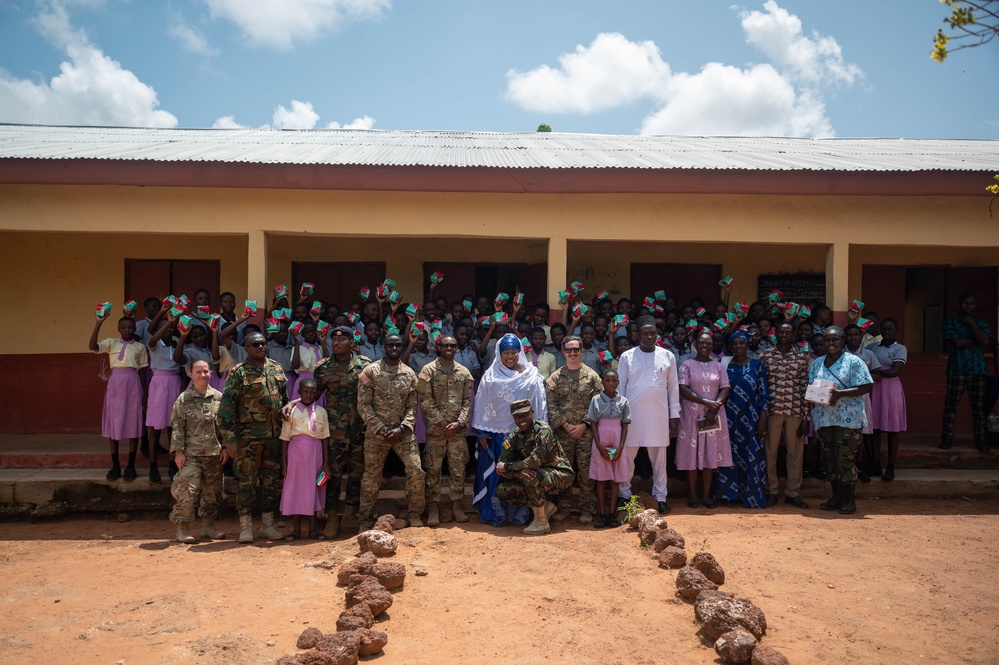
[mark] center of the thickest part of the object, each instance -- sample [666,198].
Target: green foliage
[632,507]
[544,128]
[974,22]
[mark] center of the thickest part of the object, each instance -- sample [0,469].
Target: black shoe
[874,469]
[600,522]
[944,445]
[708,503]
[771,500]
[130,473]
[620,504]
[820,473]
[836,500]
[889,473]
[847,506]
[114,473]
[662,508]
[796,502]
[154,475]
[611,521]
[862,476]
[692,503]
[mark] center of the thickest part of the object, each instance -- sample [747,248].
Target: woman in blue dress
[746,409]
[510,377]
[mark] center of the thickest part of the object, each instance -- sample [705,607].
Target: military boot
[834,502]
[245,529]
[184,536]
[415,521]
[540,524]
[585,517]
[267,528]
[433,517]
[847,504]
[349,521]
[332,524]
[209,531]
[364,524]
[459,512]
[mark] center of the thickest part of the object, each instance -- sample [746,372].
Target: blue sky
[786,67]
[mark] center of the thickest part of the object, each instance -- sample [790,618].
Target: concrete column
[557,267]
[256,273]
[838,281]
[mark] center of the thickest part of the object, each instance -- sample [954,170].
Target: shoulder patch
[364,378]
[322,362]
[237,366]
[551,381]
[424,376]
[506,444]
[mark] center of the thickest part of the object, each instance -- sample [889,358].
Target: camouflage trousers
[258,471]
[578,453]
[456,449]
[199,480]
[532,492]
[839,446]
[346,456]
[375,452]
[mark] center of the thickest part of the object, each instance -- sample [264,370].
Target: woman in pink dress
[704,388]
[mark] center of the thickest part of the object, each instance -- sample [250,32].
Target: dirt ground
[901,582]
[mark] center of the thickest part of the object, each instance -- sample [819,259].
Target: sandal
[708,503]
[315,535]
[129,473]
[114,473]
[294,535]
[693,503]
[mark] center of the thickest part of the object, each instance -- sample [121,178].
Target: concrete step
[52,492]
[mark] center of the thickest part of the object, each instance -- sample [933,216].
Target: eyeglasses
[574,349]
[448,346]
[257,345]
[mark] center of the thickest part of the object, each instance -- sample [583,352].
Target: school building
[93,214]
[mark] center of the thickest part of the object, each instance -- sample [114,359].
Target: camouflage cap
[520,406]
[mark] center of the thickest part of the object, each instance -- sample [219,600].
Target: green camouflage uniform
[445,394]
[194,434]
[386,398]
[538,450]
[250,417]
[346,454]
[568,402]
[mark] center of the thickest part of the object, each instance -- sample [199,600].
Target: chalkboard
[797,287]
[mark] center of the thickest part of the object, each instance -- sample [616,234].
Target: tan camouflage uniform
[250,417]
[340,380]
[195,435]
[539,450]
[446,394]
[568,402]
[386,398]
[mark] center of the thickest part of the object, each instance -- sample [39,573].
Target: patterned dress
[746,480]
[702,450]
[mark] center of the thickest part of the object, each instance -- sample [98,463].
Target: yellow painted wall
[59,278]
[606,265]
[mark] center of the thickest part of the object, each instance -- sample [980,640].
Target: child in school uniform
[151,306]
[122,416]
[610,413]
[227,354]
[304,453]
[227,305]
[164,386]
[194,345]
[307,351]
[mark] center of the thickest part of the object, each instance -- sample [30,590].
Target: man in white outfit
[648,376]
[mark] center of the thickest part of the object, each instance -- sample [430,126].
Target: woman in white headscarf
[509,378]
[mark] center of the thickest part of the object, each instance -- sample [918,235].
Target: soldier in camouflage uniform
[386,401]
[445,390]
[570,389]
[250,423]
[198,455]
[533,465]
[338,376]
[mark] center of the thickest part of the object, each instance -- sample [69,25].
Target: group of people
[320,393]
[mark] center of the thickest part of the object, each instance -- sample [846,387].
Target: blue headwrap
[739,334]
[508,342]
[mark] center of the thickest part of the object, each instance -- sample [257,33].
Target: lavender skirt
[300,495]
[122,417]
[889,405]
[164,388]
[600,469]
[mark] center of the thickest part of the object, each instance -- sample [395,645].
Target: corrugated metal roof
[345,147]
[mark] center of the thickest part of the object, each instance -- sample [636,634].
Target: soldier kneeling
[533,465]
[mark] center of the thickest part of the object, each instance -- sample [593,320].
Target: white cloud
[227,122]
[300,116]
[366,122]
[91,88]
[781,98]
[722,100]
[610,72]
[281,24]
[191,39]
[777,33]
